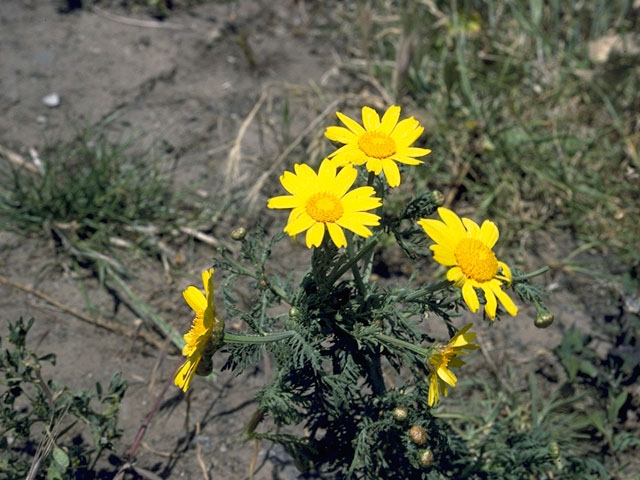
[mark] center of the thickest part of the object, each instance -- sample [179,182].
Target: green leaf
[588,368]
[616,404]
[61,458]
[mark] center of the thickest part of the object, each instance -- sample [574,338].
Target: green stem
[526,276]
[354,268]
[434,287]
[338,272]
[425,352]
[256,339]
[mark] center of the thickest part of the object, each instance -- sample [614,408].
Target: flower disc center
[324,207]
[377,145]
[476,260]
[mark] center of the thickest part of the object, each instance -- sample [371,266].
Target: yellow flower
[380,144]
[441,377]
[206,330]
[322,201]
[467,248]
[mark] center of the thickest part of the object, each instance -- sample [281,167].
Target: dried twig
[17,159]
[233,159]
[203,467]
[203,237]
[99,321]
[134,22]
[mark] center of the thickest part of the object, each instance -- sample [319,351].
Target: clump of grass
[89,190]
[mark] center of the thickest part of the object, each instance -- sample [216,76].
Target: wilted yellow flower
[445,357]
[322,201]
[206,329]
[467,248]
[380,144]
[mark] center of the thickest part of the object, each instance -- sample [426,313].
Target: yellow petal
[406,130]
[363,218]
[506,301]
[506,271]
[195,299]
[340,134]
[491,305]
[351,124]
[374,165]
[343,181]
[326,175]
[290,182]
[415,152]
[184,375]
[447,376]
[343,149]
[470,297]
[283,201]
[370,118]
[207,282]
[489,233]
[434,390]
[300,224]
[438,232]
[406,160]
[444,256]
[390,119]
[355,226]
[337,235]
[315,235]
[453,222]
[471,226]
[391,173]
[455,275]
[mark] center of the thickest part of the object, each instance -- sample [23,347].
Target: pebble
[52,100]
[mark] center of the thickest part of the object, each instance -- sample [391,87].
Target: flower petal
[455,275]
[300,224]
[184,375]
[505,300]
[406,160]
[390,119]
[438,232]
[340,134]
[391,172]
[489,233]
[491,305]
[434,391]
[453,222]
[315,235]
[351,124]
[374,165]
[195,299]
[343,180]
[283,201]
[443,255]
[471,226]
[470,297]
[337,235]
[370,119]
[447,376]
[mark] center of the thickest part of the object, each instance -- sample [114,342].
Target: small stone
[42,120]
[52,100]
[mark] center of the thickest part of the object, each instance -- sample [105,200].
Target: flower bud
[238,233]
[437,197]
[418,435]
[554,450]
[543,319]
[294,312]
[425,458]
[399,413]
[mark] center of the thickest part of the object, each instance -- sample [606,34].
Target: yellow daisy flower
[380,144]
[206,330]
[467,248]
[441,378]
[322,201]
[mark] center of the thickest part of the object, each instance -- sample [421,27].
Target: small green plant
[38,416]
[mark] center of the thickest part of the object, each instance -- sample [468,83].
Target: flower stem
[339,271]
[354,268]
[256,339]
[526,276]
[434,287]
[426,352]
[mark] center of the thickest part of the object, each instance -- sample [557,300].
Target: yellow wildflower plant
[205,333]
[378,144]
[323,201]
[467,248]
[446,357]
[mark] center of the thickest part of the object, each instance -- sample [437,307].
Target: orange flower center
[476,260]
[377,144]
[324,207]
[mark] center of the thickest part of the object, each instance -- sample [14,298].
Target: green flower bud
[543,319]
[438,197]
[425,458]
[554,450]
[400,413]
[418,435]
[238,233]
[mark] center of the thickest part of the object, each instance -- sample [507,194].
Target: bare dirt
[183,87]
